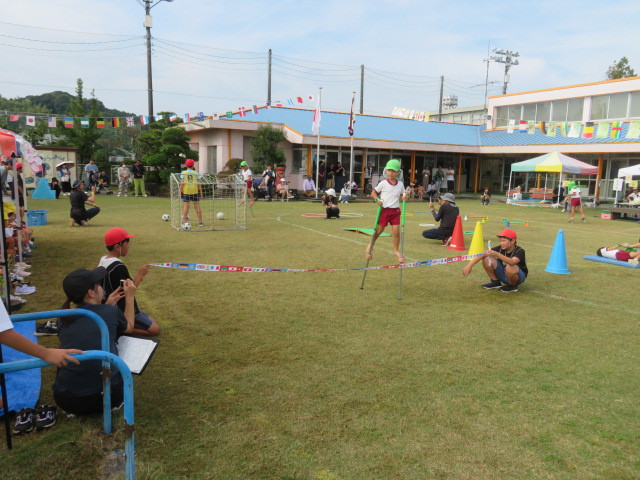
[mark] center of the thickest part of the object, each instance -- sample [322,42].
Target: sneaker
[27,254]
[446,241]
[145,196]
[24,290]
[508,288]
[22,265]
[24,421]
[45,416]
[49,328]
[200,224]
[493,284]
[15,298]
[84,223]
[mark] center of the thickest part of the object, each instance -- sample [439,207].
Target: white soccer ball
[165,217]
[220,215]
[186,226]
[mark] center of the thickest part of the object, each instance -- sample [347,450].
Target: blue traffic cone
[558,260]
[507,224]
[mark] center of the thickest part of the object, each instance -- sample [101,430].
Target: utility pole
[269,80]
[440,102]
[361,89]
[507,57]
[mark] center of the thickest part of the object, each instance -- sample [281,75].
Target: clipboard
[136,351]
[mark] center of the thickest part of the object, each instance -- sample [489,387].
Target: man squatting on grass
[117,243]
[504,264]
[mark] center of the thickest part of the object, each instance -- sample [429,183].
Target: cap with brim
[393,164]
[80,281]
[243,164]
[449,197]
[189,162]
[77,183]
[507,233]
[19,165]
[331,192]
[116,235]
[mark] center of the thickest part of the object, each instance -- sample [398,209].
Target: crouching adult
[446,215]
[78,198]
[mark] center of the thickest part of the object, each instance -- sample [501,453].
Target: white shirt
[390,194]
[308,185]
[575,192]
[5,321]
[451,175]
[246,174]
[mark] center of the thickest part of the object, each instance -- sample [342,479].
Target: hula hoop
[427,224]
[351,214]
[313,215]
[421,213]
[322,215]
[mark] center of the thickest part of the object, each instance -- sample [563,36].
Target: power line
[68,50]
[59,30]
[72,43]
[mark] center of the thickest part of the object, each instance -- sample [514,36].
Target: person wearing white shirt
[345,194]
[308,187]
[576,202]
[451,179]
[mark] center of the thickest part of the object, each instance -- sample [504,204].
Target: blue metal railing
[104,345]
[127,380]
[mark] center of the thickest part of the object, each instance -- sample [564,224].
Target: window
[634,109]
[247,148]
[212,159]
[515,112]
[599,106]
[574,109]
[299,164]
[559,110]
[618,105]
[529,111]
[501,116]
[543,113]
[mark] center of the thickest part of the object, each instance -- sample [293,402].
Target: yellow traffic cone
[477,242]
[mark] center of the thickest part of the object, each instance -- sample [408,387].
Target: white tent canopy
[633,170]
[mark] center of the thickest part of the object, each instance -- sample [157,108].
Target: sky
[211,56]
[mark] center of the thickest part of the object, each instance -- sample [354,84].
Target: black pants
[333,212]
[436,234]
[87,404]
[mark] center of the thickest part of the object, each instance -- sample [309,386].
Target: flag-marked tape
[202,267]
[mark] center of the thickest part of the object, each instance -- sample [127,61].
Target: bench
[622,212]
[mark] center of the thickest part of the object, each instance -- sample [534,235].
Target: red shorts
[389,216]
[575,202]
[623,255]
[249,183]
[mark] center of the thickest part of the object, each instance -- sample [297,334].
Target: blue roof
[334,124]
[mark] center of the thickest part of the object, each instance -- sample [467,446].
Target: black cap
[77,183]
[80,281]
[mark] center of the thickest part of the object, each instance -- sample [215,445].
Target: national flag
[277,104]
[352,118]
[242,111]
[187,118]
[511,125]
[100,123]
[52,123]
[84,122]
[201,116]
[310,98]
[68,122]
[173,117]
[144,120]
[30,120]
[317,116]
[299,99]
[130,121]
[543,128]
[115,122]
[215,116]
[587,132]
[523,126]
[255,109]
[290,101]
[14,118]
[229,114]
[603,130]
[616,129]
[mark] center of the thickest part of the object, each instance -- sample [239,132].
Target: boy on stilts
[387,195]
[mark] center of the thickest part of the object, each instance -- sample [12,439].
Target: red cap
[116,235]
[507,233]
[19,165]
[189,162]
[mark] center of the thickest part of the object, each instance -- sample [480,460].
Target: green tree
[265,147]
[620,69]
[84,139]
[165,147]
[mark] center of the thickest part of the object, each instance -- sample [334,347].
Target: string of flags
[132,121]
[409,114]
[606,129]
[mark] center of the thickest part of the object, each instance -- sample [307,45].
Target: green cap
[393,164]
[243,163]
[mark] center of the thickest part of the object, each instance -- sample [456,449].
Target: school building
[570,119]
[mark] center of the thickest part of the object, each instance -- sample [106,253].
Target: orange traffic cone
[457,239]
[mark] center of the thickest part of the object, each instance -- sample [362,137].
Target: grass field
[293,376]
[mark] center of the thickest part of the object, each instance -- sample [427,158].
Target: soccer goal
[216,197]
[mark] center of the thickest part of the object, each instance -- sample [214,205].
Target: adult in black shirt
[504,264]
[138,179]
[446,215]
[79,214]
[268,177]
[78,388]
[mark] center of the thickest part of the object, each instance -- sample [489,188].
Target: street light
[148,23]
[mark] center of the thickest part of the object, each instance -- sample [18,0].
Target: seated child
[485,197]
[431,189]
